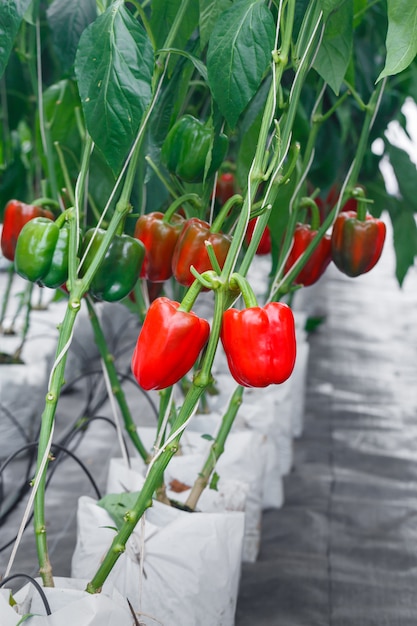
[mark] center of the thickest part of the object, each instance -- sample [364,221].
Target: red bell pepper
[168,344]
[319,259]
[225,187]
[159,238]
[16,215]
[264,246]
[260,344]
[191,250]
[357,244]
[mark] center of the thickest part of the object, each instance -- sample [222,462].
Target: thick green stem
[78,288]
[48,415]
[116,386]
[157,467]
[216,449]
[144,500]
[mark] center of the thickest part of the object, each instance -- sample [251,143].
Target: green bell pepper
[120,268]
[41,254]
[186,149]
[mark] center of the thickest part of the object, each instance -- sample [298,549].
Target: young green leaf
[113,66]
[11,15]
[116,505]
[335,51]
[67,20]
[401,39]
[238,55]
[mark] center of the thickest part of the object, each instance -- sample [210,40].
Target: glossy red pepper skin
[319,260]
[357,244]
[168,344]
[191,250]
[159,239]
[225,187]
[16,215]
[265,243]
[260,344]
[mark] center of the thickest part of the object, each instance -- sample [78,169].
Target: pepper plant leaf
[210,11]
[405,173]
[113,66]
[335,51]
[401,39]
[11,15]
[116,505]
[238,55]
[67,20]
[405,239]
[402,211]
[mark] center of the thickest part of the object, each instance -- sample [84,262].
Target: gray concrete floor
[342,550]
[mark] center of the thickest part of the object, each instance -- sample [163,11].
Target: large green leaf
[239,52]
[210,11]
[67,20]
[11,15]
[405,173]
[334,54]
[402,210]
[401,36]
[405,239]
[113,66]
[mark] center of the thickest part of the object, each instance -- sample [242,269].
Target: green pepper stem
[187,197]
[216,449]
[361,212]
[237,281]
[308,203]
[224,212]
[190,297]
[115,383]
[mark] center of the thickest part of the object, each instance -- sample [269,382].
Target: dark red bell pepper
[159,238]
[357,244]
[260,344]
[16,215]
[168,344]
[191,250]
[319,259]
[265,243]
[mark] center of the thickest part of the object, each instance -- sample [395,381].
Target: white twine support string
[171,438]
[116,414]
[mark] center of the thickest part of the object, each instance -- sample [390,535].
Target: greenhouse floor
[342,551]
